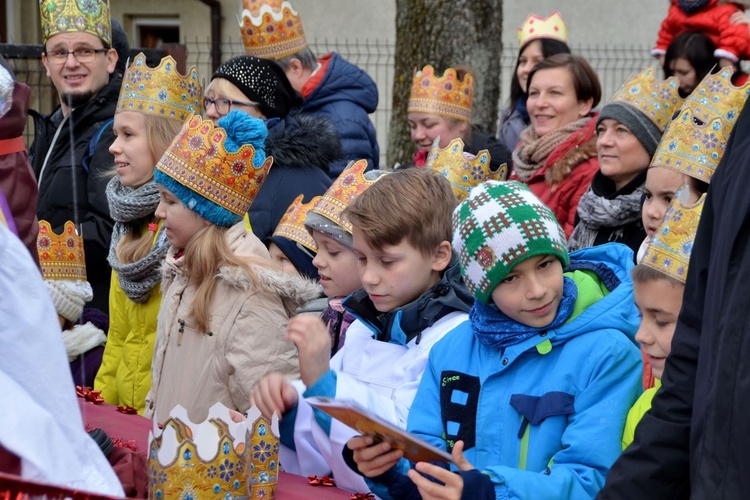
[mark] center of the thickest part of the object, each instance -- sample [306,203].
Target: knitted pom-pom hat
[498,226]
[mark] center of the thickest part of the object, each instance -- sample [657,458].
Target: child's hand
[236,416]
[313,342]
[739,17]
[373,459]
[453,483]
[273,394]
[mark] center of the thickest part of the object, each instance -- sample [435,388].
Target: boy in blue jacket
[533,391]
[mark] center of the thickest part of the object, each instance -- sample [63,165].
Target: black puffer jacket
[66,188]
[302,147]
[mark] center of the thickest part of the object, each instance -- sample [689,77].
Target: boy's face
[661,186]
[397,274]
[337,267]
[532,291]
[659,302]
[281,260]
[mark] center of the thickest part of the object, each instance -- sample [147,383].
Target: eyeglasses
[223,105]
[80,55]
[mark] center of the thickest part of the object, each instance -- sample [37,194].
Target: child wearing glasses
[302,147]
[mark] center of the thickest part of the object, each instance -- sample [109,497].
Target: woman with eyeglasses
[302,146]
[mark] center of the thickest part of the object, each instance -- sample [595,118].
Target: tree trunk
[446,33]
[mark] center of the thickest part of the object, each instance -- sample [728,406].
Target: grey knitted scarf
[126,204]
[598,212]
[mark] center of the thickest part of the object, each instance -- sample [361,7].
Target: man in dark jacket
[331,86]
[694,443]
[70,154]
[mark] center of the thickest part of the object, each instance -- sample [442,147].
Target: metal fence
[376,57]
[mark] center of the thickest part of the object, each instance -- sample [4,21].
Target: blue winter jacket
[544,418]
[345,96]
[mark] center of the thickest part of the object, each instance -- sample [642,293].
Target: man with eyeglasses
[70,154]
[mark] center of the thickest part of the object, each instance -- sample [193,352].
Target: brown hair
[137,242]
[585,80]
[205,254]
[413,204]
[642,274]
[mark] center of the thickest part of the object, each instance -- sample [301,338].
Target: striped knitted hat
[498,226]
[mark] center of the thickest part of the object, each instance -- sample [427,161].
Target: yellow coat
[125,374]
[641,406]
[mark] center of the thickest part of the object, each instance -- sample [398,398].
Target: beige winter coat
[244,342]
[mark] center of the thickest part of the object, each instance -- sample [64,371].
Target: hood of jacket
[610,266]
[303,141]
[401,325]
[343,81]
[294,290]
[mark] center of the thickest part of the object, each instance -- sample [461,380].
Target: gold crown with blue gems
[292,224]
[656,99]
[695,140]
[463,170]
[670,248]
[217,459]
[160,91]
[76,16]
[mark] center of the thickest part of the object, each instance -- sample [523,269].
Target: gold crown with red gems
[348,185]
[198,160]
[271,29]
[61,255]
[292,224]
[656,99]
[160,91]
[694,141]
[76,16]
[463,170]
[445,95]
[535,27]
[670,248]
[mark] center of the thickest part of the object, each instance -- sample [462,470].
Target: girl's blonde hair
[137,242]
[206,252]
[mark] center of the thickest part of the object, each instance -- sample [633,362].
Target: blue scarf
[496,330]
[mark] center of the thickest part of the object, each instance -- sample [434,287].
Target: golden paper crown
[348,185]
[85,16]
[445,95]
[656,99]
[178,469]
[198,160]
[694,141]
[160,91]
[670,248]
[292,224]
[535,27]
[61,256]
[271,29]
[463,171]
[263,455]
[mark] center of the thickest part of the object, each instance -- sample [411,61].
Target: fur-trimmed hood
[294,291]
[304,141]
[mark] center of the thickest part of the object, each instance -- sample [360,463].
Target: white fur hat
[69,297]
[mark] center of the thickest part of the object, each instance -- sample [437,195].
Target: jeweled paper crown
[271,29]
[61,255]
[535,27]
[198,160]
[695,140]
[463,170]
[160,91]
[445,95]
[71,16]
[348,185]
[292,224]
[215,459]
[657,99]
[670,248]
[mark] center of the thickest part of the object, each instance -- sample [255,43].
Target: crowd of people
[519,298]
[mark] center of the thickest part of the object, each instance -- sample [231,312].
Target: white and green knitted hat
[498,226]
